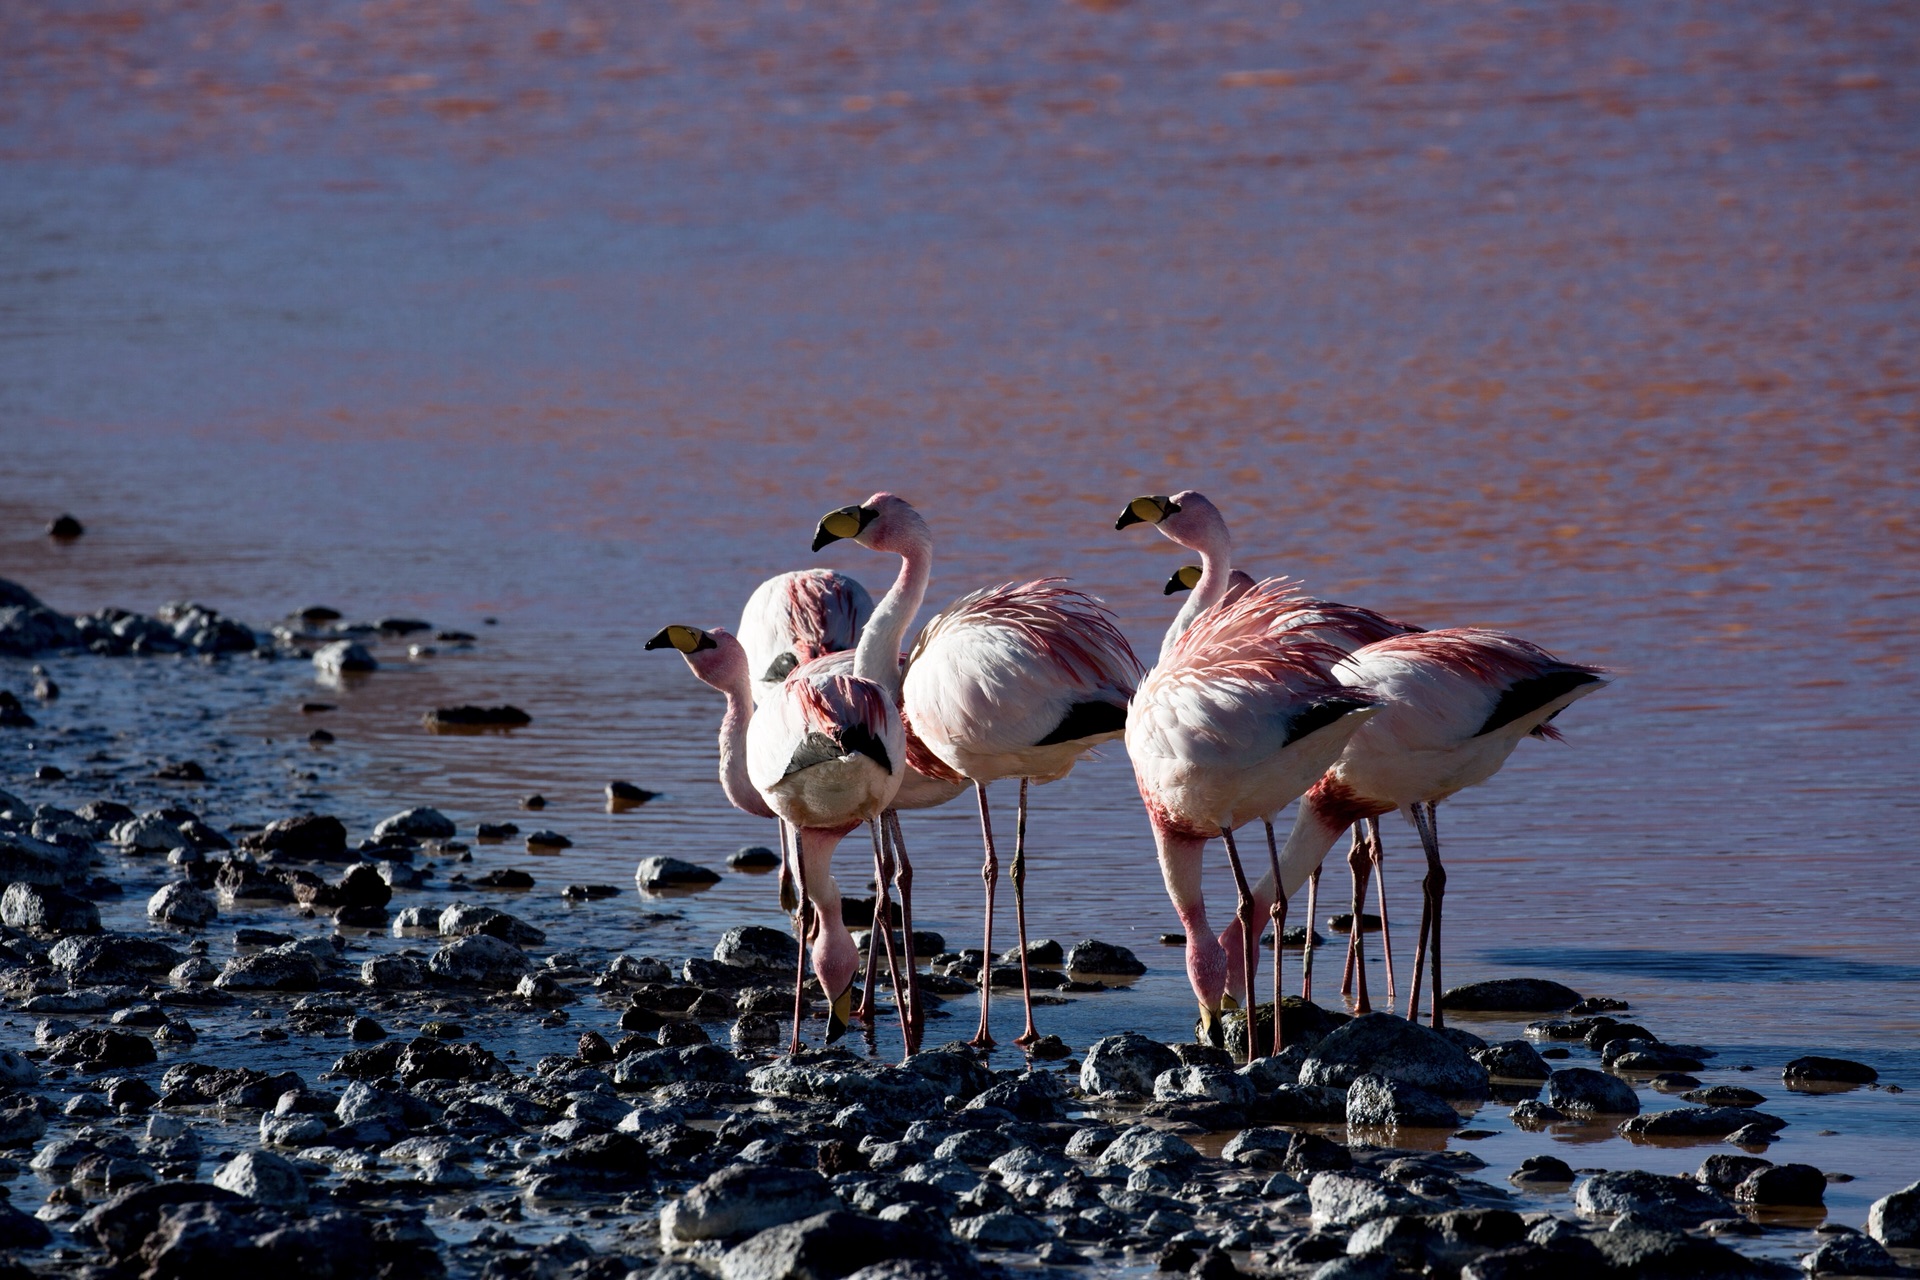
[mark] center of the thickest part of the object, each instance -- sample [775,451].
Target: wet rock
[123,1222]
[17,1071]
[64,526]
[429,1059]
[39,908]
[264,1178]
[670,873]
[469,716]
[1092,956]
[282,968]
[1652,1197]
[1699,1122]
[756,947]
[832,1245]
[464,919]
[480,960]
[652,1068]
[1648,1252]
[754,857]
[627,795]
[1852,1255]
[1386,1103]
[111,958]
[12,714]
[181,771]
[1348,1199]
[1208,1084]
[28,627]
[393,973]
[1894,1220]
[1513,1060]
[745,1199]
[180,903]
[150,833]
[1724,1172]
[1788,1184]
[1144,1147]
[1646,1055]
[344,657]
[1542,1171]
[25,860]
[20,1232]
[589,892]
[1511,995]
[1003,1229]
[1584,1091]
[1814,1070]
[21,1126]
[539,840]
[1722,1095]
[307,838]
[416,824]
[505,878]
[1385,1045]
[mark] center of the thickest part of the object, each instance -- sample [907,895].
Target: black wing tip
[1087,720]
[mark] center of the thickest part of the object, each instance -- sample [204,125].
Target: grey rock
[1814,1070]
[1894,1220]
[1699,1122]
[1090,955]
[1203,1083]
[1144,1147]
[392,972]
[25,860]
[1385,1045]
[1648,1252]
[264,1177]
[1852,1255]
[180,903]
[829,1246]
[1124,1064]
[669,873]
[21,1126]
[1348,1199]
[1724,1171]
[1511,995]
[464,919]
[343,657]
[752,946]
[41,908]
[1003,1229]
[111,958]
[1584,1091]
[1653,1197]
[417,824]
[1258,1148]
[150,833]
[1794,1184]
[1513,1060]
[1385,1103]
[480,960]
[17,1071]
[743,1199]
[282,968]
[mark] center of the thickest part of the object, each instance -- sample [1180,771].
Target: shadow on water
[1692,966]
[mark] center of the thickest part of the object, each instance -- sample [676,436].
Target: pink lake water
[1597,324]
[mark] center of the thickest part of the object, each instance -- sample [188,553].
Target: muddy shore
[249,1023]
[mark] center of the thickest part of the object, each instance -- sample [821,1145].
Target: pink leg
[1279,913]
[1306,955]
[1353,946]
[870,979]
[883,873]
[990,873]
[1249,940]
[1436,891]
[1361,863]
[802,909]
[1029,1036]
[1378,855]
[903,877]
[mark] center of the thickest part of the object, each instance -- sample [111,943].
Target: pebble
[754,857]
[1808,1073]
[660,872]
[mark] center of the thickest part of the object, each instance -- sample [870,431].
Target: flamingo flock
[1261,696]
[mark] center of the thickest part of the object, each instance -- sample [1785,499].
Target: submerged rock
[344,657]
[468,716]
[1093,956]
[418,824]
[1653,1197]
[1699,1122]
[1814,1070]
[1511,995]
[1386,1103]
[1584,1091]
[1383,1044]
[669,873]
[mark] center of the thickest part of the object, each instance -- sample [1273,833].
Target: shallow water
[1596,325]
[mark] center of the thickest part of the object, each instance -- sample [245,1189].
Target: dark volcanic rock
[1511,995]
[668,873]
[1783,1184]
[743,1199]
[752,946]
[124,1221]
[111,958]
[753,857]
[97,1049]
[1124,1064]
[308,838]
[1092,956]
[1513,1060]
[1852,1255]
[832,1245]
[1698,1122]
[1672,1202]
[1584,1091]
[627,795]
[1384,1103]
[44,909]
[24,860]
[1725,1171]
[468,716]
[1650,1253]
[1814,1070]
[1383,1044]
[417,824]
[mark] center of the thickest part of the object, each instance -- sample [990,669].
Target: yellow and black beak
[1185,578]
[839,1014]
[846,522]
[1151,509]
[685,639]
[1213,1030]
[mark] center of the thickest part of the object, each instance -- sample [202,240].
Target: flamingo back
[792,619]
[828,750]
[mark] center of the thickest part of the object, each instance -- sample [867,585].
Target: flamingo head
[715,656]
[883,522]
[1185,578]
[1187,518]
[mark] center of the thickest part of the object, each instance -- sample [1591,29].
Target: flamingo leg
[1436,892]
[1029,1036]
[1362,863]
[789,873]
[869,980]
[903,878]
[1279,913]
[1346,975]
[1426,929]
[883,865]
[1243,911]
[1378,855]
[801,910]
[1306,952]
[990,873]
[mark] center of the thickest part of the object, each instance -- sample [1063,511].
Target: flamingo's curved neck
[741,793]
[877,657]
[1215,546]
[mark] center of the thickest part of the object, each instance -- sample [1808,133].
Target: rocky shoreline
[310,1043]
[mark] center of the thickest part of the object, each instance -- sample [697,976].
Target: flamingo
[1237,720]
[1190,519]
[824,755]
[793,618]
[1015,681]
[1454,705]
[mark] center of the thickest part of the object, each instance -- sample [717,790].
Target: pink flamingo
[824,755]
[793,618]
[1190,519]
[1454,705]
[1015,681]
[1238,719]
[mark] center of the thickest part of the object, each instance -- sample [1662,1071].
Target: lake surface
[1599,325]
